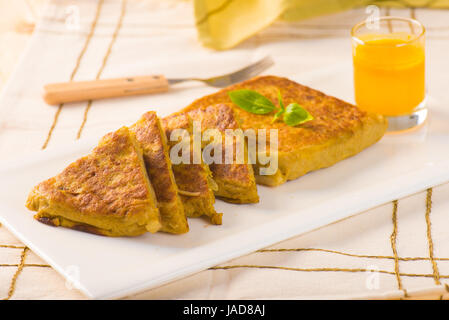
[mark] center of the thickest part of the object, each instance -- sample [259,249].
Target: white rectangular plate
[397,166]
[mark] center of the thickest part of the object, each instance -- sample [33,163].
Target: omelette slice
[106,193]
[339,130]
[235,180]
[194,181]
[152,140]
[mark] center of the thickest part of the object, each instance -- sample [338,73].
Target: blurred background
[221,24]
[17,21]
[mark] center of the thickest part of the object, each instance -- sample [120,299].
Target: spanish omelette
[194,181]
[339,130]
[106,193]
[152,140]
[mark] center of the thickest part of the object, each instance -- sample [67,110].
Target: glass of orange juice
[389,70]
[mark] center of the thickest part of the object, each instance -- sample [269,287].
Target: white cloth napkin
[390,251]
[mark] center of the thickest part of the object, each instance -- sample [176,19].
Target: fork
[57,93]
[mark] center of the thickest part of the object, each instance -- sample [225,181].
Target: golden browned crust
[107,190]
[236,182]
[153,142]
[192,178]
[176,121]
[339,129]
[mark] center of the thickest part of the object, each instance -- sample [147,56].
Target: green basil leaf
[281,102]
[295,114]
[282,109]
[277,115]
[251,101]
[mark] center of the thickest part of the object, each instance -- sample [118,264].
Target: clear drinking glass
[389,70]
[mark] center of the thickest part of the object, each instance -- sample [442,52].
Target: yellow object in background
[389,73]
[222,24]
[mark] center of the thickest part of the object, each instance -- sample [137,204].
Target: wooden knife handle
[56,93]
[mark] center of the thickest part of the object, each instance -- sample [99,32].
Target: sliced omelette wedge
[107,192]
[194,181]
[152,140]
[234,177]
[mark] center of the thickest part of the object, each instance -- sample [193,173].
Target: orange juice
[389,73]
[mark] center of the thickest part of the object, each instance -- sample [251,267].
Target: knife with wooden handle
[57,93]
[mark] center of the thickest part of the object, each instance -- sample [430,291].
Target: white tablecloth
[404,242]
